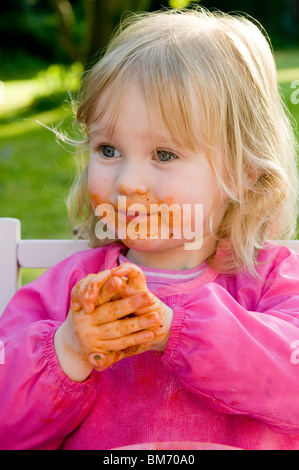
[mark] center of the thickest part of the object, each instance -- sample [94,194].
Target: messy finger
[78,292]
[127,326]
[91,289]
[135,275]
[109,291]
[125,342]
[102,361]
[117,309]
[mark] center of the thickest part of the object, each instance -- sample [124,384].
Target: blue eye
[165,156]
[109,152]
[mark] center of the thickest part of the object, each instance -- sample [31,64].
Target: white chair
[16,253]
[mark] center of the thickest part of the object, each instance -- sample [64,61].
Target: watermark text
[295,354]
[2,357]
[153,222]
[295,94]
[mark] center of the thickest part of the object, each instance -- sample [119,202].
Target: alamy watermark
[156,221]
[295,94]
[2,357]
[295,355]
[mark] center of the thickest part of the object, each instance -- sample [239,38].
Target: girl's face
[136,164]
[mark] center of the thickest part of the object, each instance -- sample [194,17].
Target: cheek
[95,199]
[98,187]
[169,200]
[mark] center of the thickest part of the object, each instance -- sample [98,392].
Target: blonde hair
[221,65]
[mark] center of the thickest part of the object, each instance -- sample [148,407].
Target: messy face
[154,193]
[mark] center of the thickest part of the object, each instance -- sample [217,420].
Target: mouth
[130,216]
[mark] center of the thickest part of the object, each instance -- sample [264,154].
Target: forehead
[127,111]
[123,107]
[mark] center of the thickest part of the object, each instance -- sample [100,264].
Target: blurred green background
[45,45]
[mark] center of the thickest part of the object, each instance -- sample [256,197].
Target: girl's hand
[107,328]
[137,283]
[110,327]
[94,290]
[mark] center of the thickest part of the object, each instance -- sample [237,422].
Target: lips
[130,216]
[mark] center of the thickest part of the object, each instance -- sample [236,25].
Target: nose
[132,180]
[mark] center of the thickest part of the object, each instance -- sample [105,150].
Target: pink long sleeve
[238,359]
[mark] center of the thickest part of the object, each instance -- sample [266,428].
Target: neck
[173,258]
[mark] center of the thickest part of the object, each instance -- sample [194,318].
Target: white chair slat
[10,234]
[47,253]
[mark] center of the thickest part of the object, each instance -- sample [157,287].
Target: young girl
[156,339]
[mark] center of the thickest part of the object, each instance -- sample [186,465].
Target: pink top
[229,374]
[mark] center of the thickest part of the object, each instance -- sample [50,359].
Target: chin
[148,245]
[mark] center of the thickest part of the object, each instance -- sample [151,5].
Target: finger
[78,292]
[153,307]
[134,344]
[128,326]
[121,293]
[117,309]
[125,342]
[103,361]
[109,291]
[135,275]
[132,271]
[90,290]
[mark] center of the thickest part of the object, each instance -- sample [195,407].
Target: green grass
[36,172]
[288,72]
[35,175]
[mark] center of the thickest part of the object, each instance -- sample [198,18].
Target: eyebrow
[106,131]
[98,131]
